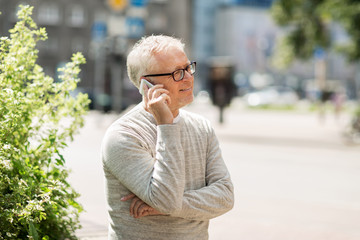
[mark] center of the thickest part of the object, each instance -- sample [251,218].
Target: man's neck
[175,113]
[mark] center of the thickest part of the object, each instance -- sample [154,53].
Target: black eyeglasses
[178,74]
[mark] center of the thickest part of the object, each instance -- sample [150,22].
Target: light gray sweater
[177,169]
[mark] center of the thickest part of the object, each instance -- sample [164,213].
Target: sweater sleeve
[217,197]
[159,182]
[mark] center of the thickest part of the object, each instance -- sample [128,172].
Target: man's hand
[157,101]
[139,208]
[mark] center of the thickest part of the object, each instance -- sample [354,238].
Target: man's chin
[187,101]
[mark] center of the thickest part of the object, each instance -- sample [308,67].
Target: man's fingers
[152,95]
[144,214]
[142,210]
[166,98]
[155,93]
[133,202]
[149,91]
[137,207]
[128,197]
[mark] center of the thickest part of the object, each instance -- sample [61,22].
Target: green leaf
[33,232]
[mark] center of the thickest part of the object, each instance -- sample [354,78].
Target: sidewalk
[274,127]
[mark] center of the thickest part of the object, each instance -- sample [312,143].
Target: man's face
[181,92]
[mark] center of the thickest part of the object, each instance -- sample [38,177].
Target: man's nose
[187,75]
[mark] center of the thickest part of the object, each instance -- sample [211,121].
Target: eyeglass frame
[172,73]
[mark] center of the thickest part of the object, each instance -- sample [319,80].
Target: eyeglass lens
[179,74]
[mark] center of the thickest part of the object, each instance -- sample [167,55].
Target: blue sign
[135,27]
[98,31]
[319,53]
[139,3]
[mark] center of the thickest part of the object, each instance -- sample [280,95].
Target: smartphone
[144,81]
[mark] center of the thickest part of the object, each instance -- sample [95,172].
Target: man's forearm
[207,202]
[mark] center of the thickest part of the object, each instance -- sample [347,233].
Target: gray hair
[140,58]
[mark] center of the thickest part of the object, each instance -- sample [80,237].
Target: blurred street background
[275,52]
[279,80]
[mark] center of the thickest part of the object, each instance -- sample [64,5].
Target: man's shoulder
[192,115]
[132,112]
[131,119]
[132,125]
[135,113]
[195,119]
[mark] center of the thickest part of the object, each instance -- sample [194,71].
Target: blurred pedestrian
[338,99]
[165,176]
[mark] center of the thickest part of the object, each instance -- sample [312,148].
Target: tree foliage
[37,118]
[347,13]
[307,24]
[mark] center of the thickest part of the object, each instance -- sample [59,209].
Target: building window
[49,14]
[76,16]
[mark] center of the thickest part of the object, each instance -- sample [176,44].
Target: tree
[37,118]
[308,22]
[308,29]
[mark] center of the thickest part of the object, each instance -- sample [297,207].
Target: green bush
[37,118]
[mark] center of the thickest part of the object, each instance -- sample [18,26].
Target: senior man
[165,176]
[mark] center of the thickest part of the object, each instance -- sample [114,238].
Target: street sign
[135,27]
[98,31]
[138,3]
[319,53]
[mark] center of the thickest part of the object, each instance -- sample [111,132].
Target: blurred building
[68,24]
[250,37]
[245,31]
[210,36]
[104,31]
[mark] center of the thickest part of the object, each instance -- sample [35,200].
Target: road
[294,178]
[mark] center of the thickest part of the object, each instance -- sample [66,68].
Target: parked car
[273,95]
